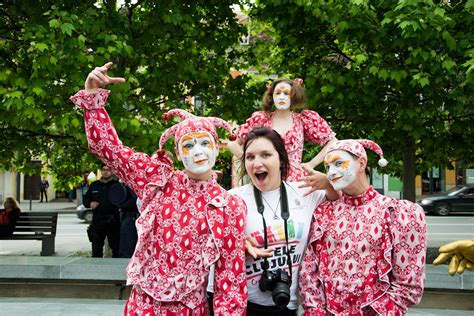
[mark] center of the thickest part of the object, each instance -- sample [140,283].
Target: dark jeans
[128,236]
[260,310]
[45,193]
[256,310]
[97,233]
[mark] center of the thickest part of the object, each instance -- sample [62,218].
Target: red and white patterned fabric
[185,226]
[365,255]
[307,126]
[141,303]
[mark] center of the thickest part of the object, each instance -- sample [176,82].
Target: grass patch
[83,254]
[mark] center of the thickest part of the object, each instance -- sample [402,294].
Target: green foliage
[82,254]
[397,72]
[166,50]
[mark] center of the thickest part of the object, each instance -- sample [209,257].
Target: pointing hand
[98,78]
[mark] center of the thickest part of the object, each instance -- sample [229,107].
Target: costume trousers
[140,303]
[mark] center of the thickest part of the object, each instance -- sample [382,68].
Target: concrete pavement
[56,205]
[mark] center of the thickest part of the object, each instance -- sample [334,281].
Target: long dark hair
[276,140]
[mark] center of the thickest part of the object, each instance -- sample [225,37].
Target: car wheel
[88,217]
[442,209]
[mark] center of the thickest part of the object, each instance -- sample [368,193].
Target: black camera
[279,283]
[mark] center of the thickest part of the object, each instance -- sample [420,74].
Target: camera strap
[285,215]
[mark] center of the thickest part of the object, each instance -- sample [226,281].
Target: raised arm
[319,156]
[257,119]
[136,169]
[236,147]
[316,131]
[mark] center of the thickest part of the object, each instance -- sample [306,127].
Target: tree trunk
[409,170]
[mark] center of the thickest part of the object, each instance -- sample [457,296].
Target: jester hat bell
[192,123]
[356,147]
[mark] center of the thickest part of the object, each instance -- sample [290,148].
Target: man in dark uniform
[106,216]
[44,185]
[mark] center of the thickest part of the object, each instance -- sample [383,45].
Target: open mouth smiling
[262,175]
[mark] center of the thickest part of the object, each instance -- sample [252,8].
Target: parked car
[456,200]
[84,213]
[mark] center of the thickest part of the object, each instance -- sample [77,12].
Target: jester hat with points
[192,123]
[356,147]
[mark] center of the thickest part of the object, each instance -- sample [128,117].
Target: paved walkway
[57,205]
[89,307]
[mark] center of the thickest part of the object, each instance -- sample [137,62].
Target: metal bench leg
[47,248]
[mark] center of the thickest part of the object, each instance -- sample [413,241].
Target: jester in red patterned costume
[366,252]
[188,222]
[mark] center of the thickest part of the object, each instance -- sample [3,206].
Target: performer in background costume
[366,252]
[280,101]
[187,222]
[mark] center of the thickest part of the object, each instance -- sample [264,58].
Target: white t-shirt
[301,209]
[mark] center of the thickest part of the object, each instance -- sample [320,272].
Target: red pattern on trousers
[141,303]
[307,126]
[365,256]
[185,226]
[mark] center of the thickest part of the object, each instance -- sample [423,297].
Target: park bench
[37,226]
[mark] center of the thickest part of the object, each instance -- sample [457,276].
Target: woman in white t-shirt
[273,290]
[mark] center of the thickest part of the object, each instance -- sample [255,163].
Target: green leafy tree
[398,72]
[166,50]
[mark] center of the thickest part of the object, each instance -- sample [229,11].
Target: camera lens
[281,294]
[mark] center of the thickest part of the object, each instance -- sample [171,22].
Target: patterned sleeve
[316,129]
[408,260]
[311,290]
[135,168]
[230,279]
[257,119]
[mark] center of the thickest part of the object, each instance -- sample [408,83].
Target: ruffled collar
[198,186]
[361,199]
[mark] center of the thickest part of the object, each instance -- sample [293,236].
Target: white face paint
[341,168]
[282,96]
[198,152]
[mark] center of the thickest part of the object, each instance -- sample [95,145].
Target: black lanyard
[285,214]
